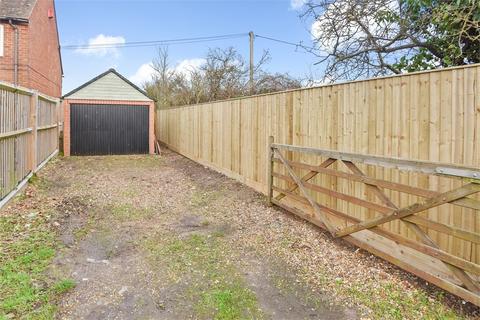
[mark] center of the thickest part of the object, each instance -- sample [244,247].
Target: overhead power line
[297,45]
[154,42]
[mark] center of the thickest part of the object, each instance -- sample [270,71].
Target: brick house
[29,45]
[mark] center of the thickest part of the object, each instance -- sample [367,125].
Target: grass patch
[127,212]
[20,197]
[382,298]
[388,301]
[64,286]
[81,232]
[130,193]
[34,179]
[227,304]
[201,199]
[215,287]
[39,182]
[27,247]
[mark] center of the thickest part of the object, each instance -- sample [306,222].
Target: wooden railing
[420,254]
[29,124]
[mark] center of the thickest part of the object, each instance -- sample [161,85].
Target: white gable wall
[109,87]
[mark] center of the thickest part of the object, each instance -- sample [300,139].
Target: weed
[81,232]
[36,180]
[33,179]
[218,234]
[64,286]
[130,193]
[21,197]
[39,182]
[201,199]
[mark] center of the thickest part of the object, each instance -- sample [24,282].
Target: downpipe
[15,53]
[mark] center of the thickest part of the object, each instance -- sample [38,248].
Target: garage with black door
[108,115]
[108,129]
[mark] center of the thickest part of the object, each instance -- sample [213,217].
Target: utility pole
[252,37]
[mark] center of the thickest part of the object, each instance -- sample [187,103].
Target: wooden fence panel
[47,126]
[14,112]
[431,116]
[28,136]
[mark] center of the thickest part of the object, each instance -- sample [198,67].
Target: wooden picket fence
[431,117]
[29,135]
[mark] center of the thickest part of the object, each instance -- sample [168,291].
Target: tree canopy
[223,74]
[364,38]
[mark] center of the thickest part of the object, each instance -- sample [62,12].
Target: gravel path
[165,238]
[113,207]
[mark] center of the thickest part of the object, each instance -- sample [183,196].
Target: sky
[84,22]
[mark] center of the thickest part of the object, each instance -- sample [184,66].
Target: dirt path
[152,238]
[164,238]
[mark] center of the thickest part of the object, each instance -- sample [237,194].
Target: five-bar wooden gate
[416,251]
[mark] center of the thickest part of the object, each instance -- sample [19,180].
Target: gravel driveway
[161,237]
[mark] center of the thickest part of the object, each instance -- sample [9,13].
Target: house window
[1,40]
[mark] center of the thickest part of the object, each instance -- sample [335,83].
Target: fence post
[33,124]
[57,112]
[270,170]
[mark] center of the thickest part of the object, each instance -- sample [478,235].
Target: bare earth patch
[147,237]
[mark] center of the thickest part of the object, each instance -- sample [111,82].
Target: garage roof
[109,85]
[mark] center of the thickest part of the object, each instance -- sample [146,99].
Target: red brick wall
[43,40]
[66,123]
[39,58]
[7,62]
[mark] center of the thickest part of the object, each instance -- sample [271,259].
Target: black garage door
[108,129]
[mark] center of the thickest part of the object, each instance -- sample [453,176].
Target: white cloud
[102,45]
[186,66]
[297,4]
[316,29]
[143,74]
[146,72]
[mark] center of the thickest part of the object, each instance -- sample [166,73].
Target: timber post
[270,170]
[33,125]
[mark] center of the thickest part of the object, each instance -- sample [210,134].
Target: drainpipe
[15,52]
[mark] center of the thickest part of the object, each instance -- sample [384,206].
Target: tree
[223,75]
[364,38]
[165,81]
[268,82]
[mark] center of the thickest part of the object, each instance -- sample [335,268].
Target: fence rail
[28,136]
[431,116]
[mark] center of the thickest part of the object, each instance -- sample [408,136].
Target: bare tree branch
[224,75]
[358,38]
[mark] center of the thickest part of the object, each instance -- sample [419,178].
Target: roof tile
[16,9]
